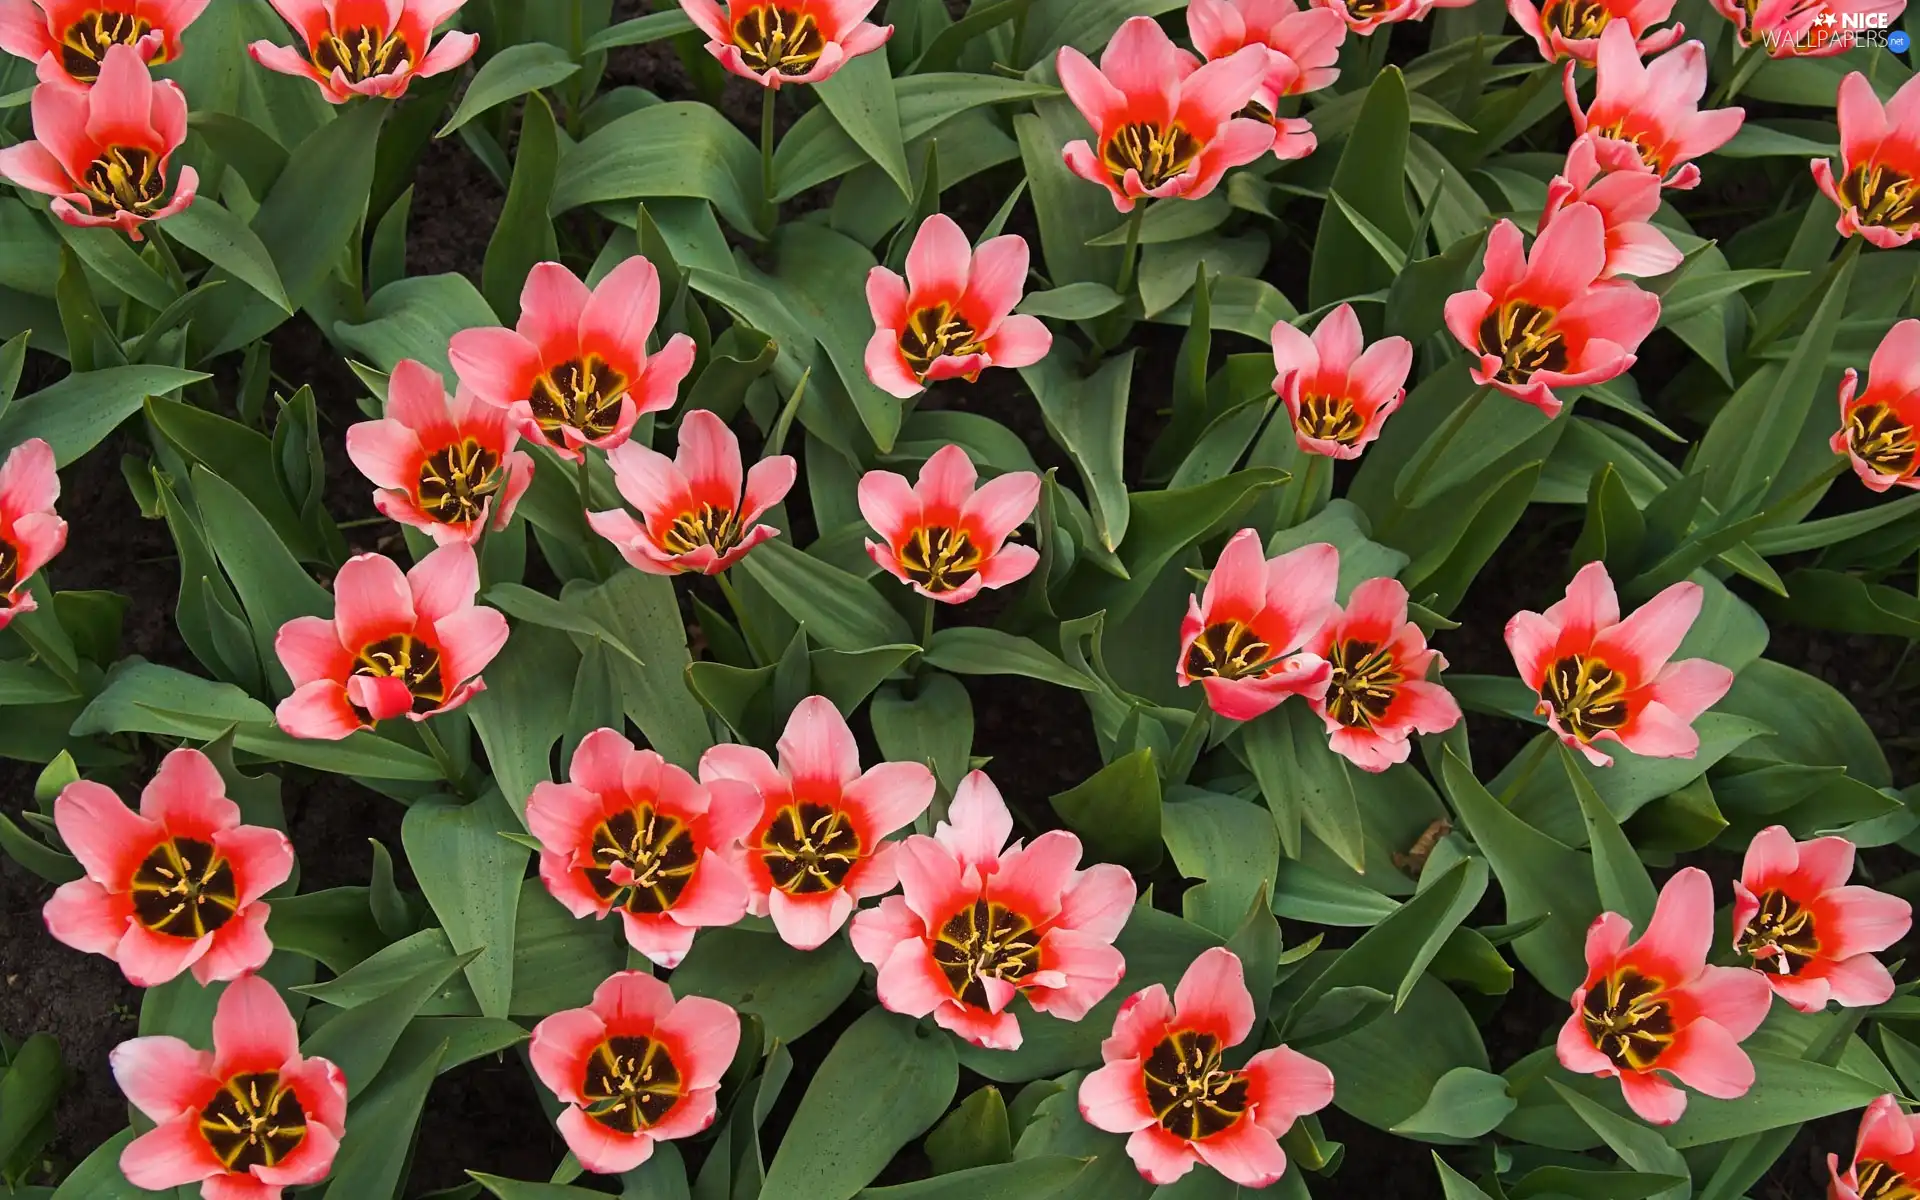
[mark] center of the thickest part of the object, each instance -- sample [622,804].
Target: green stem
[440,756]
[585,476]
[766,155]
[754,644]
[1436,449]
[1309,487]
[1130,256]
[164,251]
[926,622]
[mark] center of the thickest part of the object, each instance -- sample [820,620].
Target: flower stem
[926,622]
[440,756]
[754,644]
[1309,487]
[766,155]
[585,476]
[1130,256]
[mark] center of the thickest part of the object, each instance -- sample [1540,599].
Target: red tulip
[793,41]
[1544,321]
[952,316]
[1886,1156]
[30,533]
[1626,200]
[1653,1005]
[697,511]
[634,1067]
[245,1120]
[945,538]
[366,47]
[1244,640]
[1338,391]
[409,645]
[1803,28]
[1302,47]
[1166,1084]
[1164,124]
[443,464]
[631,831]
[981,921]
[1653,108]
[76,34]
[1600,678]
[1377,694]
[1878,189]
[575,371]
[1877,427]
[1811,934]
[1571,29]
[102,153]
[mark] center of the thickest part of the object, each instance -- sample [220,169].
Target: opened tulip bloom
[1378,695]
[1651,1007]
[786,41]
[1811,933]
[176,886]
[1653,109]
[1546,320]
[1878,188]
[698,509]
[30,532]
[1166,1083]
[1338,390]
[444,464]
[945,538]
[1365,16]
[1302,47]
[1571,29]
[575,370]
[634,1067]
[1880,427]
[1600,678]
[1886,1156]
[409,645]
[76,34]
[980,921]
[1806,28]
[245,1120]
[1626,200]
[1164,125]
[366,47]
[1244,640]
[103,153]
[630,832]
[952,316]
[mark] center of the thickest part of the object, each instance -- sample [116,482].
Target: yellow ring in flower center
[656,848]
[783,40]
[253,1121]
[810,848]
[1192,1094]
[1157,154]
[1883,440]
[456,482]
[631,1084]
[580,394]
[361,53]
[1627,1019]
[1364,681]
[1523,337]
[1585,695]
[183,888]
[126,179]
[1780,937]
[84,45]
[984,938]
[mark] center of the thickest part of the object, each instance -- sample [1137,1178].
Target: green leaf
[414,318]
[654,27]
[942,52]
[839,610]
[524,235]
[641,610]
[975,1134]
[1641,1148]
[680,149]
[32,1082]
[1787,1090]
[13,360]
[1088,418]
[360,1040]
[333,927]
[1074,302]
[1303,780]
[791,991]
[77,413]
[1116,811]
[107,253]
[525,604]
[227,242]
[1700,291]
[1066,213]
[1229,844]
[1828,531]
[471,878]
[1370,177]
[1035,1178]
[1466,1103]
[978,650]
[558,959]
[36,856]
[272,586]
[1813,723]
[99,1177]
[1618,874]
[380,1129]
[1454,1185]
[934,725]
[1387,1068]
[861,98]
[1393,955]
[513,1189]
[508,75]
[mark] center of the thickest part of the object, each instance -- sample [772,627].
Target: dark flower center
[1157,154]
[1642,142]
[126,179]
[253,1121]
[183,888]
[933,332]
[1227,650]
[1627,1019]
[84,46]
[1877,1180]
[984,939]
[1256,111]
[362,53]
[581,394]
[1330,419]
[1363,10]
[940,559]
[631,1083]
[1781,937]
[1883,196]
[1585,695]
[1882,440]
[1576,19]
[456,482]
[1364,681]
[9,565]
[810,848]
[657,849]
[406,658]
[1523,337]
[1191,1092]
[778,39]
[708,525]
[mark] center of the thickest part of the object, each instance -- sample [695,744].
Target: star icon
[1825,18]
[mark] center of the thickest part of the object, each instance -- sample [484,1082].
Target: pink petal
[1223,87]
[1567,257]
[1099,901]
[1642,644]
[1656,731]
[887,367]
[1896,363]
[717,895]
[169,1156]
[1590,605]
[252,1029]
[444,582]
[704,1033]
[1337,340]
[386,452]
[1652,1098]
[120,103]
[1826,863]
[87,917]
[621,312]
[1091,969]
[889,504]
[1681,931]
[1300,588]
[817,747]
[1707,1059]
[188,796]
[262,858]
[1861,981]
[709,456]
[371,600]
[452,50]
[889,795]
[1735,998]
[768,482]
[1160,1157]
[163,1077]
[1019,341]
[552,305]
[1691,686]
[309,648]
[978,823]
[1139,62]
[239,948]
[318,710]
[1773,855]
[1033,878]
[1237,588]
[1863,921]
[938,262]
[1213,996]
[1091,92]
[886,299]
[1576,1050]
[599,1149]
[632,1002]
[560,1047]
[945,484]
[806,922]
[108,838]
[1113,1098]
[997,279]
[28,481]
[909,983]
[930,879]
[496,364]
[1002,505]
[1245,1153]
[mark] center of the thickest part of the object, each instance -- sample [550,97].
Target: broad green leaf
[415,318]
[77,413]
[514,1189]
[1618,874]
[642,612]
[932,725]
[523,712]
[33,1079]
[334,927]
[1065,206]
[860,95]
[1385,1070]
[1466,1103]
[1304,781]
[791,991]
[360,1040]
[380,1129]
[653,27]
[1811,722]
[1454,1185]
[98,1176]
[974,1134]
[1370,177]
[1787,1090]
[680,149]
[979,650]
[1639,1147]
[1088,418]
[224,240]
[272,586]
[471,878]
[1074,302]
[1393,955]
[524,235]
[1057,1130]
[508,75]
[839,610]
[1229,844]
[1035,1178]
[1116,811]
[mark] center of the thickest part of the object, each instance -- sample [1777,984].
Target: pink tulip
[1886,1156]
[76,34]
[1804,28]
[366,47]
[981,921]
[697,511]
[952,316]
[1600,678]
[1377,695]
[1365,16]
[1166,1083]
[1654,1005]
[102,153]
[944,538]
[816,848]
[409,645]
[1571,29]
[1338,391]
[30,534]
[1164,124]
[794,41]
[1302,47]
[1652,110]
[1626,200]
[1877,427]
[1807,930]
[1244,640]
[1878,189]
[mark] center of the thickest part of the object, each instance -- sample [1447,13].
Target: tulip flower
[697,510]
[443,464]
[1878,189]
[1365,16]
[1653,108]
[981,921]
[1570,29]
[1886,1156]
[76,34]
[816,847]
[245,1120]
[1338,390]
[1877,427]
[575,371]
[796,41]
[176,886]
[952,316]
[1804,28]
[1652,1007]
[944,538]
[1540,321]
[1244,640]
[1807,930]
[1600,678]
[1377,694]
[1302,47]
[631,831]
[1167,1086]
[1163,125]
[1626,200]
[409,645]
[366,47]
[102,153]
[30,533]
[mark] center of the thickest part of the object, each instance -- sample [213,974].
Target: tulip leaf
[77,413]
[1074,302]
[933,725]
[98,1177]
[471,878]
[1304,781]
[380,1128]
[1370,178]
[839,610]
[974,1134]
[508,75]
[360,1040]
[860,95]
[1618,874]
[1465,1103]
[1116,811]
[791,991]
[224,240]
[978,650]
[414,318]
[1035,1178]
[679,149]
[524,235]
